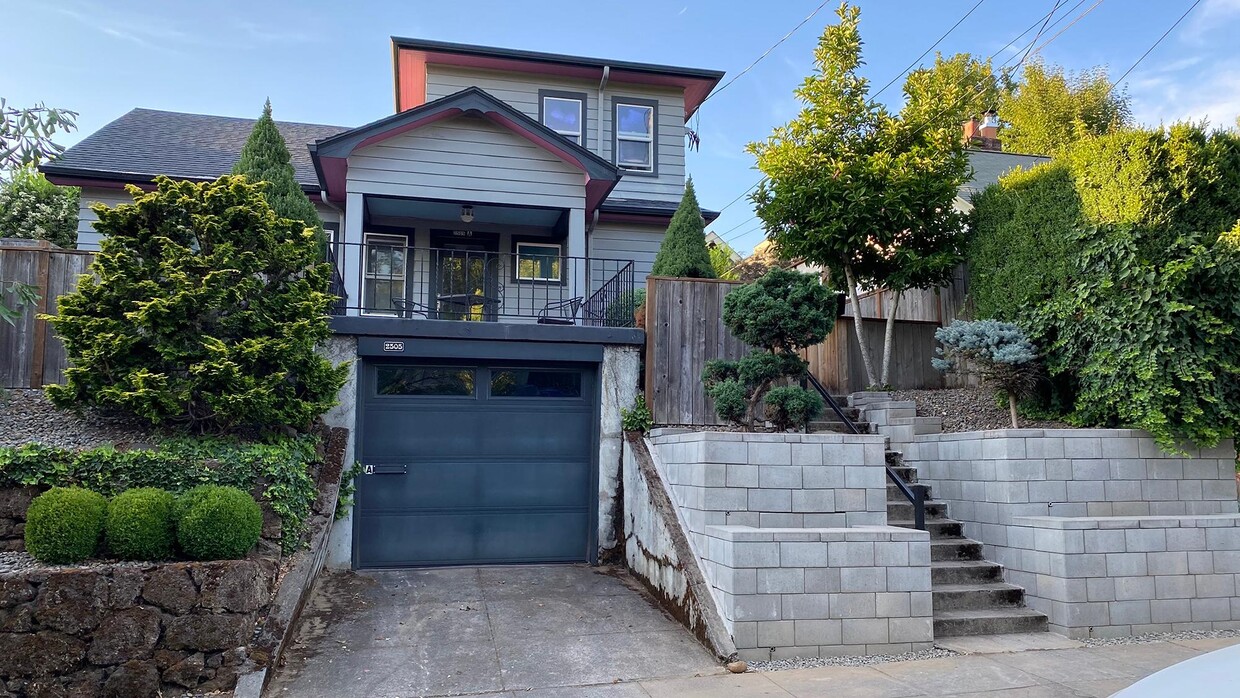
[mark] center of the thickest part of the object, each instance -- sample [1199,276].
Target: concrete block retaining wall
[822,591]
[1117,576]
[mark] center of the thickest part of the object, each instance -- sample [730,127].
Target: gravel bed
[813,662]
[968,409]
[19,561]
[26,416]
[1159,637]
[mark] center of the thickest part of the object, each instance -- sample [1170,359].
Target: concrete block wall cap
[737,533]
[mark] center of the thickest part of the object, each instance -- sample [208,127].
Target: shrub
[780,313]
[638,418]
[33,208]
[223,523]
[64,524]
[139,524]
[185,501]
[232,303]
[620,312]
[683,251]
[999,351]
[790,406]
[177,465]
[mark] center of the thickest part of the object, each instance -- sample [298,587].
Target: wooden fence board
[31,355]
[684,330]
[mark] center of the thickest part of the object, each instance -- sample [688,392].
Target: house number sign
[393,346]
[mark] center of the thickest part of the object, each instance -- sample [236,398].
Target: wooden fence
[684,330]
[31,355]
[938,305]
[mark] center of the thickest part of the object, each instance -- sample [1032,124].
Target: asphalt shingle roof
[148,142]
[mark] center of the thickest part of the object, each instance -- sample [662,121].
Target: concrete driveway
[482,631]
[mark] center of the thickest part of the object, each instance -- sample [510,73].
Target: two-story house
[487,236]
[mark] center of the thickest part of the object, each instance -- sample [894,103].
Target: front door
[465,279]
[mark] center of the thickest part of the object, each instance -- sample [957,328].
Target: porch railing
[533,284]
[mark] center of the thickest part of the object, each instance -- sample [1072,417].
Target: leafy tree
[953,90]
[1049,109]
[203,309]
[683,252]
[780,314]
[265,158]
[999,351]
[33,208]
[721,254]
[851,186]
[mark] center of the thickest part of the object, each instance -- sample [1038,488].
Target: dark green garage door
[473,464]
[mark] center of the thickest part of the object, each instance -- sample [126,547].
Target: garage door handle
[386,469]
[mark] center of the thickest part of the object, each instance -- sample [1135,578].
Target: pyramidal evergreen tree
[683,252]
[265,158]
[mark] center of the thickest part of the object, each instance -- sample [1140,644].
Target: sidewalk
[1081,672]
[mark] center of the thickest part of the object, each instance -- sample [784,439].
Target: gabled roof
[696,82]
[146,142]
[331,154]
[647,207]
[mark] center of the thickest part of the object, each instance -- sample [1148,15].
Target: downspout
[598,140]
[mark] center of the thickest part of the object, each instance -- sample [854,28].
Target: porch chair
[407,308]
[560,312]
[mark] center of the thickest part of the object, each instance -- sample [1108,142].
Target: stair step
[964,597]
[904,510]
[906,473]
[837,427]
[894,494]
[940,528]
[995,621]
[964,572]
[955,549]
[895,459]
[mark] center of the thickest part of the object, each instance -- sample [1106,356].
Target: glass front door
[466,275]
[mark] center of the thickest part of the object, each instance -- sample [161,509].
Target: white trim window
[565,116]
[384,274]
[539,261]
[635,137]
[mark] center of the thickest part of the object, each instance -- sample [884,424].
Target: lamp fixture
[467,214]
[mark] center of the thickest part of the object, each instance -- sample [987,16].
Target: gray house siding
[522,93]
[628,241]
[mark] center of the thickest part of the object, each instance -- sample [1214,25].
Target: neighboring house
[480,234]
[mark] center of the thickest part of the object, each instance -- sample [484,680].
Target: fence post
[40,325]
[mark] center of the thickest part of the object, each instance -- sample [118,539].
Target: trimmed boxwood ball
[64,524]
[139,524]
[187,499]
[223,523]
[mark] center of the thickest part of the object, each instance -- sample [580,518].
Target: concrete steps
[969,593]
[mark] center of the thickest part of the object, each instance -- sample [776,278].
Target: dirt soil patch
[968,409]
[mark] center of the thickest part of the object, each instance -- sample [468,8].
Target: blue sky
[330,62]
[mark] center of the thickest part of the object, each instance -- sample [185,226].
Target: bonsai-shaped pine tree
[265,158]
[779,314]
[683,252]
[202,310]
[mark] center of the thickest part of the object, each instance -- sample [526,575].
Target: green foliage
[721,260]
[178,465]
[1049,110]
[221,524]
[853,187]
[348,487]
[954,90]
[1119,261]
[638,418]
[791,406]
[35,209]
[619,312]
[683,252]
[26,133]
[203,310]
[64,524]
[265,158]
[22,296]
[779,314]
[139,524]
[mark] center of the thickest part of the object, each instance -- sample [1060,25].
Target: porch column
[577,248]
[351,256]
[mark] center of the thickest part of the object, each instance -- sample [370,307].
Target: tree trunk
[1012,409]
[888,335]
[856,304]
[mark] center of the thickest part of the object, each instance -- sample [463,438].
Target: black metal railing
[533,284]
[915,494]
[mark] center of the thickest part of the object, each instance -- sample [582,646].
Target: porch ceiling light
[467,214]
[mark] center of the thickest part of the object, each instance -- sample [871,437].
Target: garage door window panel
[535,383]
[437,381]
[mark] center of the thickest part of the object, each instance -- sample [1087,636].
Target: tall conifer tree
[265,158]
[683,252]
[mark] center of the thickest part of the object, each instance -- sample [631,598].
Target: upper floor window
[564,113]
[635,135]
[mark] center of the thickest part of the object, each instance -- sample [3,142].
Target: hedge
[64,525]
[218,523]
[179,464]
[139,524]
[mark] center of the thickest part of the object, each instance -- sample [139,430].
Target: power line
[1039,34]
[741,195]
[923,53]
[1084,14]
[1156,43]
[767,52]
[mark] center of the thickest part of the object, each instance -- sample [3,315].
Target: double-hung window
[539,261]
[384,276]
[635,135]
[564,113]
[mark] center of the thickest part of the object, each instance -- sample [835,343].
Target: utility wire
[928,50]
[1039,34]
[1156,43]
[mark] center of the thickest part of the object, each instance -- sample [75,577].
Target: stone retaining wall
[132,630]
[823,591]
[1117,576]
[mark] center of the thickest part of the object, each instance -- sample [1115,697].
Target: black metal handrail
[915,494]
